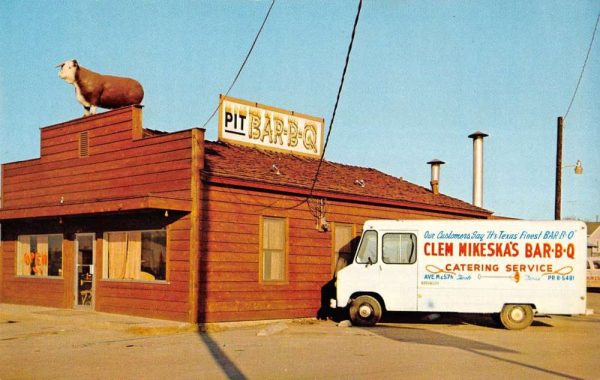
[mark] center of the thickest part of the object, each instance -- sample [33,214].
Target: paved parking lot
[54,343]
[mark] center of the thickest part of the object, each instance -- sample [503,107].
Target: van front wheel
[365,311]
[516,317]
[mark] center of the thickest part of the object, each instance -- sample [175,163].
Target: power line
[243,64]
[312,188]
[583,68]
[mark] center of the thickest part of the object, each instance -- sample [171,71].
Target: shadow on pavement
[483,320]
[434,338]
[230,369]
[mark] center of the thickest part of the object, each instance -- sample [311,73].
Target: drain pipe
[478,167]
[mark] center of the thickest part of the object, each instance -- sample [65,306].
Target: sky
[422,76]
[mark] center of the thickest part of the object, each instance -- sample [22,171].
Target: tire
[365,311]
[516,317]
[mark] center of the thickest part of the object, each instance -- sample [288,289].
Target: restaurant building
[117,218]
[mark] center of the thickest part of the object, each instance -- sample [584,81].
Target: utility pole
[558,185]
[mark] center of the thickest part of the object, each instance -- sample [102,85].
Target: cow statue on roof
[96,90]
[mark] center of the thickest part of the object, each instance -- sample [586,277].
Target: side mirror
[369,261]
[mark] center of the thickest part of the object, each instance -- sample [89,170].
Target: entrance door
[84,269]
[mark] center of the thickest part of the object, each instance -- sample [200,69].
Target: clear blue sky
[423,75]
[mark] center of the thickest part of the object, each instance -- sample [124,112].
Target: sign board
[256,125]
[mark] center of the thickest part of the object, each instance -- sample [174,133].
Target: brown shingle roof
[249,164]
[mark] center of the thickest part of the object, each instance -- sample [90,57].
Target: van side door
[367,268]
[398,271]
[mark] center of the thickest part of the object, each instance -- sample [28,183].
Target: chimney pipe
[435,175]
[478,167]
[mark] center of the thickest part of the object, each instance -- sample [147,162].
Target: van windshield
[367,252]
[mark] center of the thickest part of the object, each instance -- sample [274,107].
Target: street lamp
[559,166]
[578,167]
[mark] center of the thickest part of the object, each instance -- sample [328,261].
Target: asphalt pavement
[46,343]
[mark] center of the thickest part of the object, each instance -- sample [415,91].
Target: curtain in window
[134,255]
[117,251]
[124,255]
[41,257]
[23,258]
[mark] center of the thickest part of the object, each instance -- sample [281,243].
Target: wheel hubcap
[365,311]
[517,314]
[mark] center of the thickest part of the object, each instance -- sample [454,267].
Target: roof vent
[360,182]
[84,144]
[478,167]
[435,175]
[275,170]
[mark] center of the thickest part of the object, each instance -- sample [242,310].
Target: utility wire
[583,68]
[242,66]
[312,188]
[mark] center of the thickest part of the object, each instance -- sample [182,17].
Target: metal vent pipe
[478,167]
[435,175]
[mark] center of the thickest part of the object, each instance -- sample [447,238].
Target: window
[343,235]
[135,255]
[39,255]
[367,251]
[273,252]
[399,248]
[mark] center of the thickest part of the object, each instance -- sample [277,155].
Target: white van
[510,269]
[593,272]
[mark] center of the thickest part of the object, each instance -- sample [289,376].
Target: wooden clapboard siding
[213,225]
[257,314]
[128,297]
[107,171]
[34,291]
[120,165]
[164,299]
[146,308]
[43,291]
[231,289]
[139,152]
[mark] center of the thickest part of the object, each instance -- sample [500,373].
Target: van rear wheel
[365,311]
[516,317]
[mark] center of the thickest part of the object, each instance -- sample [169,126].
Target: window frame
[105,266]
[361,244]
[261,253]
[18,256]
[399,233]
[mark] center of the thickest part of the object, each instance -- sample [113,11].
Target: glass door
[84,269]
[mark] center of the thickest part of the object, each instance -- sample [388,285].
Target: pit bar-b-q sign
[256,125]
